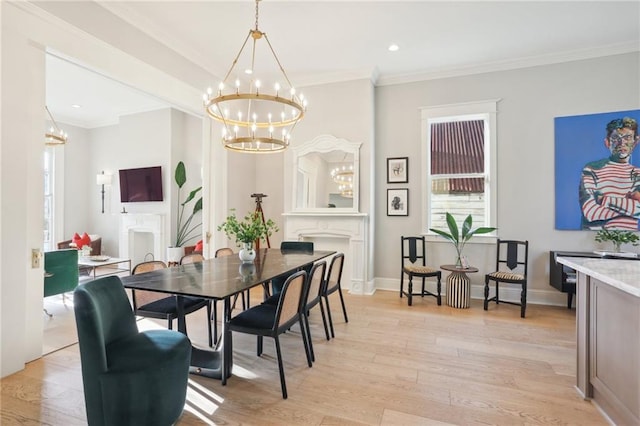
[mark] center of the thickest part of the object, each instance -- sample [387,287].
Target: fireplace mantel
[344,231]
[131,223]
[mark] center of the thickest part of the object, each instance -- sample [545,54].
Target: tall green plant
[460,239]
[184,228]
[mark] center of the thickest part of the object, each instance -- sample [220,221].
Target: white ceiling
[322,41]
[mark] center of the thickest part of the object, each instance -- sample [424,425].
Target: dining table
[220,279]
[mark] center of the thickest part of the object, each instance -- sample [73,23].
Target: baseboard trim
[551,297]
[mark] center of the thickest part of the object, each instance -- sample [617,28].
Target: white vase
[174,254]
[247,253]
[247,271]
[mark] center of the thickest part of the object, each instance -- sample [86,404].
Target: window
[459,152]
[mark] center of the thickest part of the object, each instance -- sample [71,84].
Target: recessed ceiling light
[76,106]
[393,47]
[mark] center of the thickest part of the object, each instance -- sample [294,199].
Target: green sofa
[61,271]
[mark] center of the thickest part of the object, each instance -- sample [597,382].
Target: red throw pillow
[76,240]
[81,241]
[199,246]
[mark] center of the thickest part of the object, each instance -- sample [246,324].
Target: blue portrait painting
[597,171]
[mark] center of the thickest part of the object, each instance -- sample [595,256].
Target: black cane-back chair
[414,264]
[333,284]
[290,247]
[157,305]
[512,261]
[273,320]
[313,298]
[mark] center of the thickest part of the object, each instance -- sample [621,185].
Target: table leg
[458,290]
[204,362]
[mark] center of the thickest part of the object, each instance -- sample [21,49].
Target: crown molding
[528,62]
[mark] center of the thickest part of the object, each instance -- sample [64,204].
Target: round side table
[458,286]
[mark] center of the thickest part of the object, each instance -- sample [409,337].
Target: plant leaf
[181,174]
[192,195]
[443,234]
[197,207]
[453,228]
[466,228]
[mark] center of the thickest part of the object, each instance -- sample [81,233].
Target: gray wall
[530,99]
[155,138]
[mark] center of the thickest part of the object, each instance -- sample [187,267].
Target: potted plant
[247,231]
[617,237]
[185,229]
[459,239]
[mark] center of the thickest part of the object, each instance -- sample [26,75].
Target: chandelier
[258,116]
[343,176]
[55,136]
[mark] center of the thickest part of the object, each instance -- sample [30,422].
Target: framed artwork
[595,160]
[398,202]
[398,170]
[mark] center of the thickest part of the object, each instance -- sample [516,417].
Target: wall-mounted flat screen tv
[143,184]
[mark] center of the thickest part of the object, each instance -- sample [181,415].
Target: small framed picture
[398,202]
[398,170]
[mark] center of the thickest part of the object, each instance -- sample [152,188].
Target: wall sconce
[102,179]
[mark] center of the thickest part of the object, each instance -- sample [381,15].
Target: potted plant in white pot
[458,238]
[247,231]
[185,229]
[617,237]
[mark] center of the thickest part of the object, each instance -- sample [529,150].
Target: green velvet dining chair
[129,377]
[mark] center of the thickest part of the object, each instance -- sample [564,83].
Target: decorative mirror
[325,175]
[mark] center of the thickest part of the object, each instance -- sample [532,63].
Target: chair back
[61,267]
[512,256]
[413,249]
[103,315]
[149,266]
[142,297]
[191,258]
[224,251]
[314,288]
[334,276]
[297,246]
[289,305]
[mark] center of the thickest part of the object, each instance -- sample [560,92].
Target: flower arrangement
[458,239]
[617,237]
[249,229]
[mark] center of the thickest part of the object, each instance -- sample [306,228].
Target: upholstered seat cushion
[419,269]
[504,275]
[258,317]
[273,299]
[167,305]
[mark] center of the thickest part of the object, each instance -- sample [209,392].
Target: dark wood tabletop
[222,277]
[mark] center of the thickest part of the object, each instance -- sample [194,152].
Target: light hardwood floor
[390,365]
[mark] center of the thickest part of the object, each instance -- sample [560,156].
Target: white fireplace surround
[131,223]
[352,227]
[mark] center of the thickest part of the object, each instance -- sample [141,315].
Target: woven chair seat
[503,275]
[419,269]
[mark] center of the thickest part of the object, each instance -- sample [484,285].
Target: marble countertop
[619,273]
